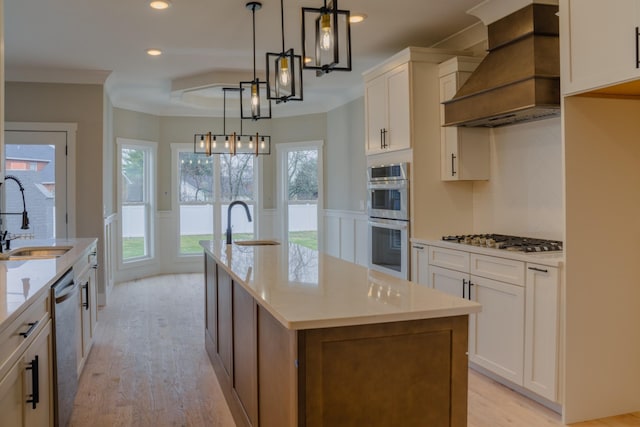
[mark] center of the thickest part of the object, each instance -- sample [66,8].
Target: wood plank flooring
[148,367]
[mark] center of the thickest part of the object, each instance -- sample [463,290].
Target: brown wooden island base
[405,373]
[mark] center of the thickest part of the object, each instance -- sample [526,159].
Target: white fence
[198,219]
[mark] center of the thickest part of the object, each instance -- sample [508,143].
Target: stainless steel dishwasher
[66,303]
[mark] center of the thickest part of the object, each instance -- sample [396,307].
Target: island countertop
[24,281]
[306,289]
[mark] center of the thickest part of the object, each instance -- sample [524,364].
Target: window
[205,187]
[195,198]
[136,198]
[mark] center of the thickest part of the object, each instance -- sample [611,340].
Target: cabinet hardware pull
[470,285]
[418,247]
[95,266]
[86,290]
[35,383]
[464,283]
[453,167]
[32,326]
[541,270]
[637,48]
[381,146]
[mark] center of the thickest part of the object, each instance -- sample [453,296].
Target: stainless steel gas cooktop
[506,242]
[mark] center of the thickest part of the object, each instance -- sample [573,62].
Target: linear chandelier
[252,106]
[284,79]
[231,143]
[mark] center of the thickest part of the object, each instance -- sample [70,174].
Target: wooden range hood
[519,79]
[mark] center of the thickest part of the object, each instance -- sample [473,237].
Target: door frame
[282,149]
[70,174]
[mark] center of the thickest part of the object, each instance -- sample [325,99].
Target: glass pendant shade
[284,74]
[254,103]
[326,38]
[284,71]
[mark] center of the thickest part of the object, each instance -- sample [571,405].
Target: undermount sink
[41,252]
[256,242]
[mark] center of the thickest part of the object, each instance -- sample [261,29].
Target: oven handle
[389,223]
[396,184]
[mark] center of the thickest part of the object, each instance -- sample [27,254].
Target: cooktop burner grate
[506,242]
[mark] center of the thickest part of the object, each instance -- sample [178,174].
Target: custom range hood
[519,79]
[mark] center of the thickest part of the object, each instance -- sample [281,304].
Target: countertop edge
[471,308]
[550,259]
[68,263]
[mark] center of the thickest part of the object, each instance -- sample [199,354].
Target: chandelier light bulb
[255,100]
[285,72]
[202,141]
[326,38]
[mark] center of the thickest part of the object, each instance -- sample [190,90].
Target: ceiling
[203,42]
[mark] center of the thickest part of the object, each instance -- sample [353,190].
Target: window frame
[217,202]
[150,178]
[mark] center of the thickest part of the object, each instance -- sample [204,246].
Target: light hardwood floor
[148,367]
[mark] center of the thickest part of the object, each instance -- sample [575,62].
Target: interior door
[38,159]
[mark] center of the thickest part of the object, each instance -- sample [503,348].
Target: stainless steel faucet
[232,204]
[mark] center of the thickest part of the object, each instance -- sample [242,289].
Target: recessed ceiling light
[160,4]
[154,52]
[354,18]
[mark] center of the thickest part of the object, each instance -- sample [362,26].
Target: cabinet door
[464,152]
[420,264]
[245,358]
[39,381]
[398,134]
[542,324]
[496,334]
[85,315]
[225,321]
[376,113]
[449,281]
[600,47]
[12,393]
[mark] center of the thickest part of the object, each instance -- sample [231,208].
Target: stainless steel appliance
[66,303]
[507,242]
[388,209]
[389,246]
[388,192]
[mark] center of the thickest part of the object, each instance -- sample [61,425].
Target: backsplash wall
[524,194]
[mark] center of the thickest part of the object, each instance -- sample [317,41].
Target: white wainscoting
[346,235]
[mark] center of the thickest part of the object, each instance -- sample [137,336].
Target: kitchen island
[299,338]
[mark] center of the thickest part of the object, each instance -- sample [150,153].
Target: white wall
[524,193]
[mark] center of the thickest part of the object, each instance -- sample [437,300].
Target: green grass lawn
[133,247]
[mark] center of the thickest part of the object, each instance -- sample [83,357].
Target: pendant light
[327,31]
[231,143]
[284,71]
[251,105]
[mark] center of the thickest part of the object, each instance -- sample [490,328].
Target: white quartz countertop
[551,259]
[305,289]
[24,281]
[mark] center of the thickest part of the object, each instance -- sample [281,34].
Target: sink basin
[43,252]
[255,242]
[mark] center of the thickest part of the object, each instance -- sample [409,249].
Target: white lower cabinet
[541,345]
[517,334]
[420,264]
[26,389]
[496,334]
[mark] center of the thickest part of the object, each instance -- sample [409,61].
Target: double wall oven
[388,209]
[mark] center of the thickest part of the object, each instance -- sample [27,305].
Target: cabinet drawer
[11,342]
[449,258]
[505,270]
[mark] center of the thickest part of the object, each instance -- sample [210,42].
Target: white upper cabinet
[387,105]
[599,43]
[464,151]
